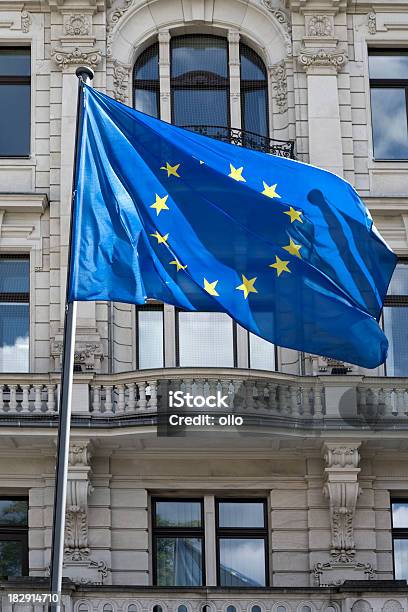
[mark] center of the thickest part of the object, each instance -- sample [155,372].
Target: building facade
[304,507]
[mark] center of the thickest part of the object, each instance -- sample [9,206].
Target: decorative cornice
[66,58]
[333,58]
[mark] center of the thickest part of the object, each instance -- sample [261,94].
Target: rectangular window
[14,313]
[395,317]
[15,106]
[389,103]
[242,543]
[150,337]
[205,339]
[13,536]
[178,542]
[262,354]
[399,509]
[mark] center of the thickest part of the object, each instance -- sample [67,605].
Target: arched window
[200,83]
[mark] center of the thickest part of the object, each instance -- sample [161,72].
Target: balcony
[353,596]
[267,399]
[243,138]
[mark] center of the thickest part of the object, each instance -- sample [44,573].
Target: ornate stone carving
[65,58]
[76,534]
[120,81]
[25,22]
[361,605]
[280,85]
[322,57]
[372,23]
[334,573]
[113,19]
[88,355]
[392,605]
[320,25]
[79,454]
[78,488]
[342,490]
[77,25]
[278,13]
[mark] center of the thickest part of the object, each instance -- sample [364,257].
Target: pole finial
[84,73]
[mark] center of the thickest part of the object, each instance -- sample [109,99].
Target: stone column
[235,78]
[164,74]
[322,58]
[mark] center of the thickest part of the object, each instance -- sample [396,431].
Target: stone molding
[327,58]
[342,490]
[334,573]
[279,85]
[112,21]
[68,58]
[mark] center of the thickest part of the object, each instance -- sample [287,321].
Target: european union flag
[288,250]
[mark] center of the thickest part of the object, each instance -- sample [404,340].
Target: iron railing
[243,138]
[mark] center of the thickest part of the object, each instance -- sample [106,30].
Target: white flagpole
[84,75]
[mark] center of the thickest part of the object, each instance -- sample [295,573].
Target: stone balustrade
[308,400]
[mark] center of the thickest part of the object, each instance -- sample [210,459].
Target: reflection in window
[389,87]
[395,317]
[146,83]
[399,509]
[150,341]
[15,112]
[14,314]
[178,534]
[13,537]
[205,339]
[241,537]
[254,92]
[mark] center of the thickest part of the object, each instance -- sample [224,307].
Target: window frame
[247,86]
[260,533]
[17,532]
[397,533]
[234,339]
[174,532]
[155,307]
[20,80]
[147,84]
[387,84]
[394,301]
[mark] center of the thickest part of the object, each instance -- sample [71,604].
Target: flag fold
[286,249]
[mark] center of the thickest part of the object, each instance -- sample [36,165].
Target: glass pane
[199,53]
[178,514]
[200,106]
[13,512]
[252,67]
[401,559]
[242,562]
[147,101]
[399,281]
[14,275]
[15,116]
[179,561]
[255,111]
[147,65]
[15,62]
[11,555]
[205,339]
[150,330]
[389,116]
[14,337]
[400,515]
[388,66]
[241,514]
[261,353]
[396,330]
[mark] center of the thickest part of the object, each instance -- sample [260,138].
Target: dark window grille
[242,534]
[178,542]
[13,536]
[389,103]
[14,312]
[15,105]
[399,519]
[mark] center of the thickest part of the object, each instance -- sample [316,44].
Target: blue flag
[286,249]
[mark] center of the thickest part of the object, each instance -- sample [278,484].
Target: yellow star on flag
[180,266]
[210,287]
[160,204]
[171,170]
[236,173]
[280,266]
[295,215]
[270,190]
[293,248]
[247,286]
[160,239]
